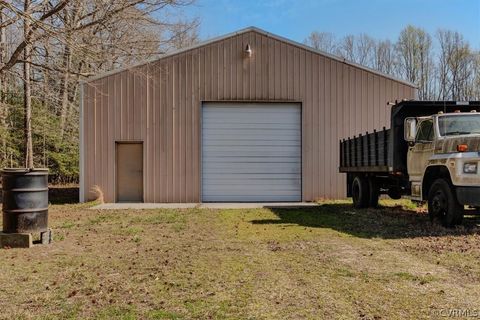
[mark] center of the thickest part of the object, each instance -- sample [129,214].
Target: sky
[295,19]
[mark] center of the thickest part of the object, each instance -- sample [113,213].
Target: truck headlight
[470,167]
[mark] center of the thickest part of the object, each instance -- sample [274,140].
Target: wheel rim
[439,204]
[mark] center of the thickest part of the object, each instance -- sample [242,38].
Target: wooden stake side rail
[365,153]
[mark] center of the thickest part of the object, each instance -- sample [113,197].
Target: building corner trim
[82,147]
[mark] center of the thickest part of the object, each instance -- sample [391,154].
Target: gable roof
[259,31]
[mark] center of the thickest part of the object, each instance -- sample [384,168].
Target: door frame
[115,188]
[266,101]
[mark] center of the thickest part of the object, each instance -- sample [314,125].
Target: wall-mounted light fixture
[248,51]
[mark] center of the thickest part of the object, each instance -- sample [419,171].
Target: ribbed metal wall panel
[160,104]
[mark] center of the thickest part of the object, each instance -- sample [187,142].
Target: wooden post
[342,145]
[385,151]
[349,152]
[355,151]
[362,161]
[368,149]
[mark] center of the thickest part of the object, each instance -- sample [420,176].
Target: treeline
[444,66]
[46,47]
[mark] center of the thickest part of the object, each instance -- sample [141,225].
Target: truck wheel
[443,204]
[360,192]
[374,193]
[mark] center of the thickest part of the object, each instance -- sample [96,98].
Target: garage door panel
[259,159]
[248,125]
[250,198]
[283,119]
[240,186]
[249,117]
[248,135]
[227,143]
[267,132]
[232,176]
[253,181]
[247,140]
[273,171]
[257,166]
[247,192]
[253,149]
[251,152]
[257,110]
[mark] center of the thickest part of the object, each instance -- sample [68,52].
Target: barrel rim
[24,170]
[26,210]
[26,190]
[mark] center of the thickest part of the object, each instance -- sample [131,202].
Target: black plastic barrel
[25,200]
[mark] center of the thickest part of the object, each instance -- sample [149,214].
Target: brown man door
[129,171]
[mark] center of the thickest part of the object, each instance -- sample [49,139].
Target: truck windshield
[459,124]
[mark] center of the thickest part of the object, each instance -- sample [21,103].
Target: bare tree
[384,57]
[69,18]
[346,48]
[359,49]
[184,34]
[3,85]
[27,95]
[475,93]
[457,66]
[324,41]
[414,49]
[30,36]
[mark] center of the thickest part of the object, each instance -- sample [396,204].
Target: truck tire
[374,192]
[443,204]
[360,192]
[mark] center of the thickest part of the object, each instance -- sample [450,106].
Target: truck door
[421,151]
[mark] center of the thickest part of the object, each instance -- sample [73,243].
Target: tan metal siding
[160,104]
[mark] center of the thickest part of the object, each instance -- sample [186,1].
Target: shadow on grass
[63,194]
[384,222]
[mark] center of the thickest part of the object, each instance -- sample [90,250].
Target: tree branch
[14,58]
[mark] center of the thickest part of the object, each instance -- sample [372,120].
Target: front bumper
[468,196]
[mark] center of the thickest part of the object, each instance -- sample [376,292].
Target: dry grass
[329,262]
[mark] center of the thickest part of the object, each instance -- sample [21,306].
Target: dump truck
[430,153]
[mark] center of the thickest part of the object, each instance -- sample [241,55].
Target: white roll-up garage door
[251,152]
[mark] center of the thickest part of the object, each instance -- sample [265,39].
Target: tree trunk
[64,94]
[3,86]
[27,96]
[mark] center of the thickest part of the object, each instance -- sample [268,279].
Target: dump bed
[366,153]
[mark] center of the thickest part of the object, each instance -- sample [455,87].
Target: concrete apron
[216,205]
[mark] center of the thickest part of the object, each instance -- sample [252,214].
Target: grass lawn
[328,262]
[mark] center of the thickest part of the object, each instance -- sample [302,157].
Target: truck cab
[443,160]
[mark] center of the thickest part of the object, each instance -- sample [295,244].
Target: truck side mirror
[410,129]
